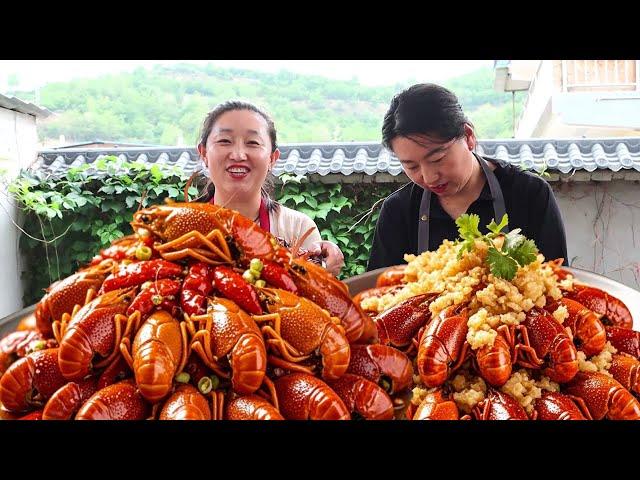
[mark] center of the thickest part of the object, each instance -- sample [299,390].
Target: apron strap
[499,208]
[265,224]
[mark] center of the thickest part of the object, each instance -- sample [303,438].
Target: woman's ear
[274,158]
[203,154]
[470,137]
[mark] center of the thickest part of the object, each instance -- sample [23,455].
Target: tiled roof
[101,143]
[370,158]
[13,103]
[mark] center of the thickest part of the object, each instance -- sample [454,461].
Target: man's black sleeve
[549,233]
[390,241]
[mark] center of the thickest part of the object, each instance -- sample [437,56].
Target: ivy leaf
[323,212]
[131,201]
[343,240]
[339,203]
[78,199]
[156,173]
[525,253]
[308,211]
[501,265]
[285,198]
[311,201]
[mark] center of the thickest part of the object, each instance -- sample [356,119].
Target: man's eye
[223,140]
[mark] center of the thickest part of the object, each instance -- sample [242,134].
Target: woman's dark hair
[424,109]
[230,106]
[268,187]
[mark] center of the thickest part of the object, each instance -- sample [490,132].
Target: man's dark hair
[424,109]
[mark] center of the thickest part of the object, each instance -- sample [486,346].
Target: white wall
[602,224]
[540,94]
[18,143]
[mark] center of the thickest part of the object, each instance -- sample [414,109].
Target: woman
[434,141]
[239,148]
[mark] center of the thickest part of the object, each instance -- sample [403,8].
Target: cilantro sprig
[517,250]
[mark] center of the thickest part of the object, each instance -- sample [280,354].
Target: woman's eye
[223,140]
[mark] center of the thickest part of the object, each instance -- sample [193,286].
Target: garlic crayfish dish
[537,345]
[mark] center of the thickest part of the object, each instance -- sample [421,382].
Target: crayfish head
[274,298]
[151,220]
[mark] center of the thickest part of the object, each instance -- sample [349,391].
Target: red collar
[263,215]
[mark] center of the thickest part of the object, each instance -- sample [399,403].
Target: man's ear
[470,137]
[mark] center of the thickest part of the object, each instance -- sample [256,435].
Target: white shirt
[291,225]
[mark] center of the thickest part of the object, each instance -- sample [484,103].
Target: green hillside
[162,104]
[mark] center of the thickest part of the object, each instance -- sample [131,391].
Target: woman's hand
[332,254]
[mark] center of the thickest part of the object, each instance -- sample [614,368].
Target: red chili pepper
[140,272]
[199,278]
[148,241]
[197,285]
[155,296]
[232,286]
[277,276]
[115,252]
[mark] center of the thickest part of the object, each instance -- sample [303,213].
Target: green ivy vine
[67,220]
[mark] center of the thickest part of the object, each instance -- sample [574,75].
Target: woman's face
[442,167]
[238,154]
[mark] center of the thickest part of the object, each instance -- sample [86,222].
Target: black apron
[498,206]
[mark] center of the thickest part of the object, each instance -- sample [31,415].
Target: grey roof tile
[14,103]
[561,156]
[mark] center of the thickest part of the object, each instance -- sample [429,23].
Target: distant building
[574,98]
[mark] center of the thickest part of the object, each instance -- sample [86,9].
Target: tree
[154,105]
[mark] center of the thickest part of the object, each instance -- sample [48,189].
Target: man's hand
[332,254]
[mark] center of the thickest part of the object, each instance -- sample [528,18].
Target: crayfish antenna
[142,197]
[187,185]
[297,244]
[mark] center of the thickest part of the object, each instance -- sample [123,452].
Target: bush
[69,219]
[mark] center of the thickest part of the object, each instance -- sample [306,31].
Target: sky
[36,73]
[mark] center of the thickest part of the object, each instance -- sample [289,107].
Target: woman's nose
[238,152]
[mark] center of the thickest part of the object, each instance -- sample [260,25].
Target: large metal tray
[628,295]
[9,323]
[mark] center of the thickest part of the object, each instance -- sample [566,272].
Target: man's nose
[429,175]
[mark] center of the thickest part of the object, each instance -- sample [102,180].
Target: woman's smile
[238,171]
